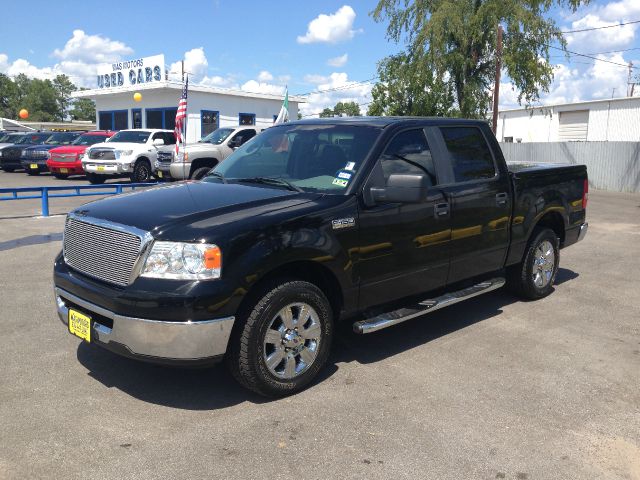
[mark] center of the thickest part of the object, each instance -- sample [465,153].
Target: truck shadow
[214,388]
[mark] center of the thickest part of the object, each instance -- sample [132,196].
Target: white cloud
[340,61]
[92,49]
[333,89]
[254,86]
[332,28]
[265,76]
[604,39]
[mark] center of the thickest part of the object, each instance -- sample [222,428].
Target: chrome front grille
[63,157]
[101,252]
[102,154]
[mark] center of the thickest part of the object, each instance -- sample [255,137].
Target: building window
[209,121]
[247,119]
[508,139]
[161,117]
[113,120]
[136,118]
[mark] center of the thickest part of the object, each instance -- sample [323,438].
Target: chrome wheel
[543,264]
[292,340]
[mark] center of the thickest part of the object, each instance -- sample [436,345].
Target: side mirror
[233,143]
[158,142]
[402,189]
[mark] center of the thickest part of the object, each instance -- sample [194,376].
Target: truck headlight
[123,153]
[183,261]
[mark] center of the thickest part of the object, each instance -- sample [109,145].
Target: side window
[470,156]
[244,135]
[169,138]
[409,153]
[157,135]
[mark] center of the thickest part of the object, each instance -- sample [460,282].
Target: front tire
[141,172]
[533,278]
[199,173]
[61,176]
[8,169]
[284,340]
[32,173]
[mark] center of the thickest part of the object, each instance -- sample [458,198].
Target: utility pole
[496,88]
[630,84]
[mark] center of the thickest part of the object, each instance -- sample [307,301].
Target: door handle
[441,209]
[501,199]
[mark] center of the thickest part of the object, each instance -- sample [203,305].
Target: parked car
[201,157]
[11,156]
[129,153]
[10,138]
[371,221]
[64,161]
[34,157]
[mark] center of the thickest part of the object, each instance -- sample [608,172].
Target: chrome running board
[388,319]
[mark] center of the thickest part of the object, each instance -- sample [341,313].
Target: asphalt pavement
[487,389]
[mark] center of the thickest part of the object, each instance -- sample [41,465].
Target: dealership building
[208,107]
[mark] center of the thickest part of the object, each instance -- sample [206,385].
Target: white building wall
[228,106]
[616,120]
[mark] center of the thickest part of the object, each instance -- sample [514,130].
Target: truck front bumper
[180,170]
[106,168]
[188,343]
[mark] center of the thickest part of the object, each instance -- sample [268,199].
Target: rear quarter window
[469,153]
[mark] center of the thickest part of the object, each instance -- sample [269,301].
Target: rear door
[478,191]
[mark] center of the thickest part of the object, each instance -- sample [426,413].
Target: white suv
[131,153]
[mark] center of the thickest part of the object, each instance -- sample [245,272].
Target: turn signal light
[585,194]
[213,258]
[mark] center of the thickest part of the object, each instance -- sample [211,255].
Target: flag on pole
[283,116]
[181,117]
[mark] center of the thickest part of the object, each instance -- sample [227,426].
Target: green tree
[8,92]
[456,39]
[63,87]
[83,109]
[348,109]
[41,101]
[406,89]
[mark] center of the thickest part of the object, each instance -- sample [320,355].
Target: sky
[256,46]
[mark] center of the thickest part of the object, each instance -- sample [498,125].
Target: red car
[65,161]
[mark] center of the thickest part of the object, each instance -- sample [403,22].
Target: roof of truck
[381,122]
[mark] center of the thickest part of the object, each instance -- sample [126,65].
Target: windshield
[130,136]
[89,139]
[62,138]
[218,136]
[310,157]
[33,139]
[10,137]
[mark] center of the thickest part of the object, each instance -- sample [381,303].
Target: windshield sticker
[350,166]
[345,175]
[340,182]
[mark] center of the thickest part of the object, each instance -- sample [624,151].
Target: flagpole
[184,133]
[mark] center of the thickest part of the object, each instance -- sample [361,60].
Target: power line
[343,87]
[590,56]
[600,28]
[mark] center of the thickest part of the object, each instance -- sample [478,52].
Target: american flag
[181,116]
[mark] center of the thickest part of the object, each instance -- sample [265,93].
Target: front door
[403,248]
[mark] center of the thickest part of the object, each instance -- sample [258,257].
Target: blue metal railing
[45,193]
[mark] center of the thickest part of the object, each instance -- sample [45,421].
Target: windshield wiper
[218,175]
[272,181]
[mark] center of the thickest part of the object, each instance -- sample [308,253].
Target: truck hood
[77,149]
[202,147]
[120,146]
[168,211]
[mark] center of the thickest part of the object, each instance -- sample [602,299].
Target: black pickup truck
[371,221]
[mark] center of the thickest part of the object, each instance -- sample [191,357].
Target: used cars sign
[131,72]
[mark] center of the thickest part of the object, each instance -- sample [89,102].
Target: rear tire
[96,179]
[283,340]
[533,278]
[61,176]
[199,173]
